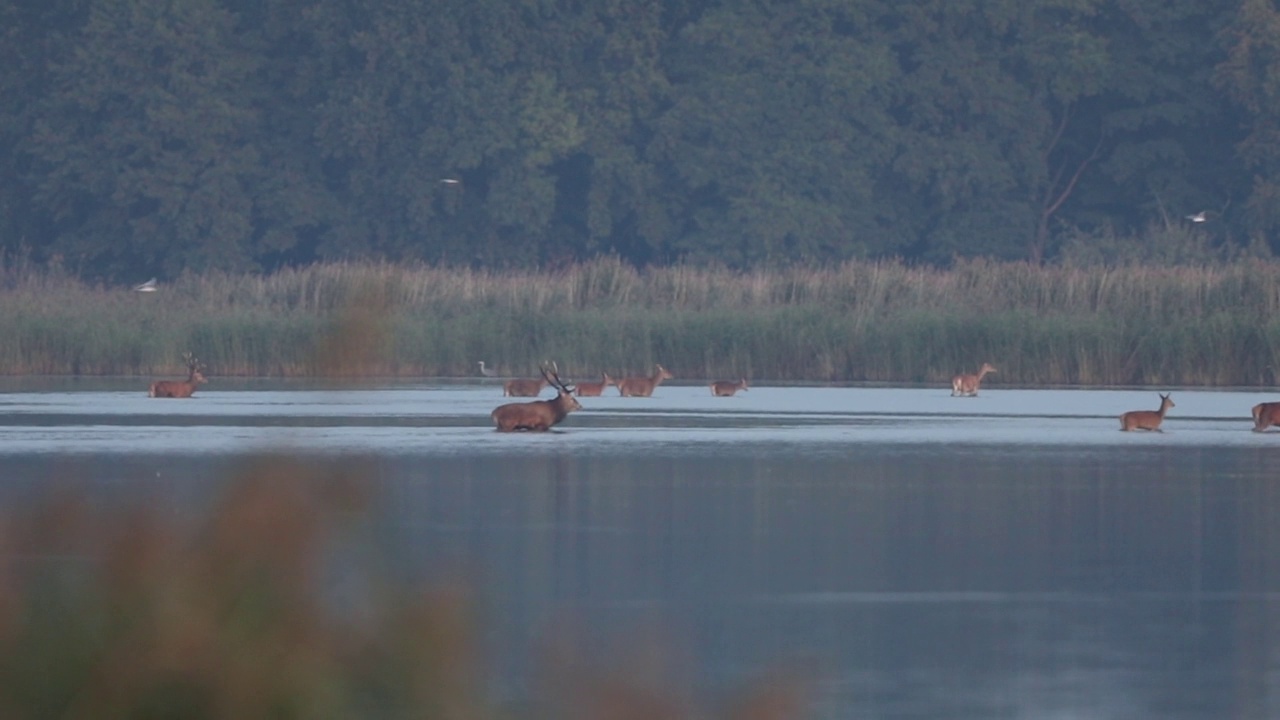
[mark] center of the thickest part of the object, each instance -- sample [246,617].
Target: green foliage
[806,193]
[142,147]
[150,137]
[1250,74]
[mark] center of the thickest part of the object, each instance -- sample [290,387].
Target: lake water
[1012,555]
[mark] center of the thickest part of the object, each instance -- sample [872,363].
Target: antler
[553,377]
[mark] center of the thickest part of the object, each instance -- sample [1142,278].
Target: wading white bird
[148,286]
[486,372]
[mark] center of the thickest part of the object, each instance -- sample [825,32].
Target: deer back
[593,389]
[535,415]
[523,387]
[726,388]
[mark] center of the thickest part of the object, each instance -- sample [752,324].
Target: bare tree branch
[1071,185]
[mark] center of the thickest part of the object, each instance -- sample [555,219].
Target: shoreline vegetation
[864,321]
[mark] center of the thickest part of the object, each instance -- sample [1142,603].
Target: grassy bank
[865,321]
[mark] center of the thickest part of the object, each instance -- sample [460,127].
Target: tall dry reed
[861,321]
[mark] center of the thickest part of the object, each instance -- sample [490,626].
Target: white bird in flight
[1199,217]
[148,286]
[450,181]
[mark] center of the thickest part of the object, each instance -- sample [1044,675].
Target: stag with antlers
[180,388]
[538,415]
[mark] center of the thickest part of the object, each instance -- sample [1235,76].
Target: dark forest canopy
[143,137]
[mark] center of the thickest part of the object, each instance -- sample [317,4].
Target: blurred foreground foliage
[124,615]
[259,610]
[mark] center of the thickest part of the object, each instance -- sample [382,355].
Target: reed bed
[857,322]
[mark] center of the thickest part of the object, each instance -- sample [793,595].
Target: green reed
[858,322]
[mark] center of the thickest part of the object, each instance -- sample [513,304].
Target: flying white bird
[450,181]
[148,286]
[1199,217]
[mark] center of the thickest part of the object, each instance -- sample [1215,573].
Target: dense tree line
[158,136]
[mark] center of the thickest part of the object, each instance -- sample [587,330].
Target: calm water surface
[1007,556]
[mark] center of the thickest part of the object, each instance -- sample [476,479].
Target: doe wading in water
[1146,419]
[643,386]
[967,385]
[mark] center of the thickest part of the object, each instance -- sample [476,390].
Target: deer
[1265,415]
[538,415]
[967,385]
[1146,419]
[180,388]
[594,389]
[726,388]
[643,386]
[523,387]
